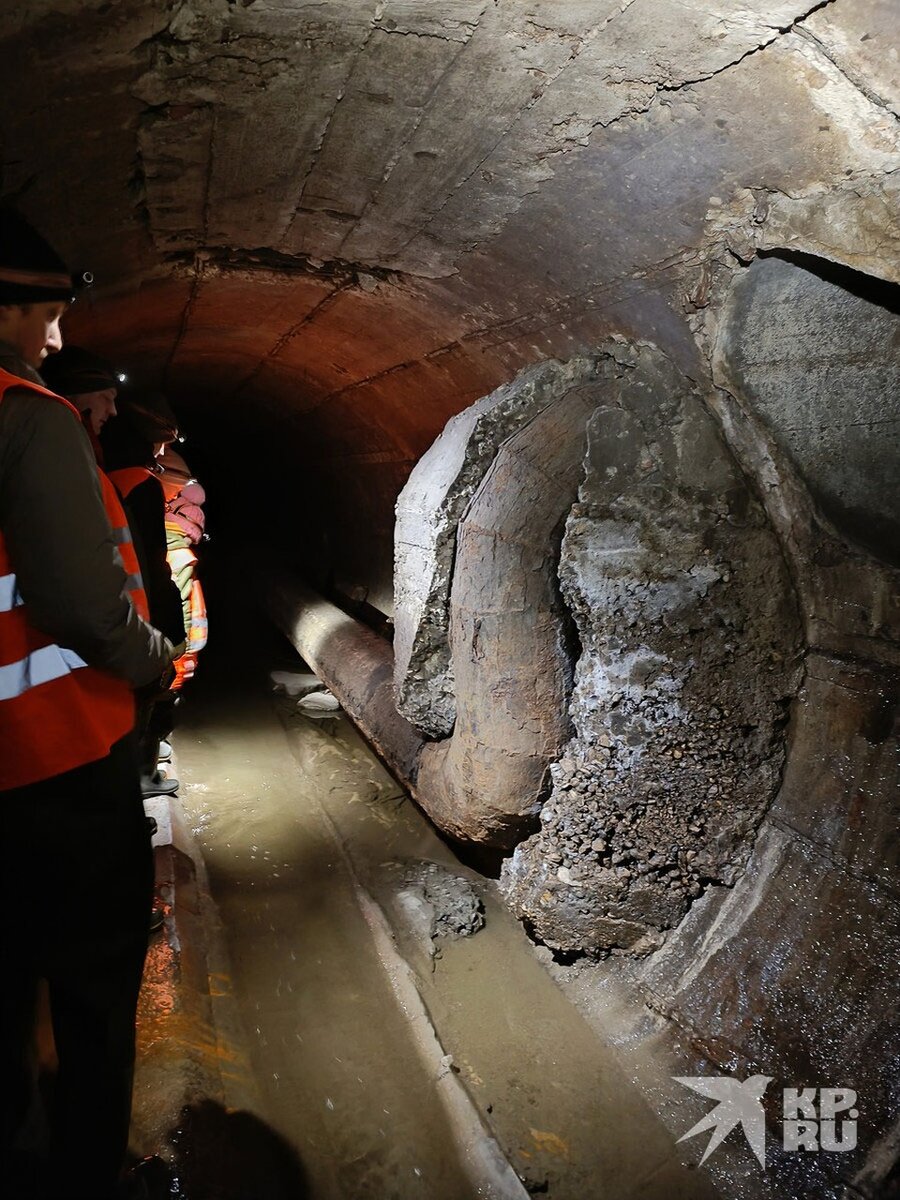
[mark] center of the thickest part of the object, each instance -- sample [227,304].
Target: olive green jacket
[59,539]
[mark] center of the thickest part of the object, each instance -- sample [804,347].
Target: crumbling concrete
[689,639]
[435,902]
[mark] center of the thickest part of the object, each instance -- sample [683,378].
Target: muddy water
[292,817]
[328,1047]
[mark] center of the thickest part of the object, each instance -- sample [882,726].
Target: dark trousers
[155,721]
[79,887]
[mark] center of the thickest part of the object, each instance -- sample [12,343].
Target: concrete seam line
[482,1159]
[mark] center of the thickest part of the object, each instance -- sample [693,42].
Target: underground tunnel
[540,364]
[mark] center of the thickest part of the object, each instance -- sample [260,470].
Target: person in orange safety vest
[74,643]
[129,454]
[185,523]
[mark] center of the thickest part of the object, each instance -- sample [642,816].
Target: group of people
[133,435]
[101,620]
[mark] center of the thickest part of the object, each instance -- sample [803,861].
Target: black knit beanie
[125,446]
[30,269]
[150,413]
[75,371]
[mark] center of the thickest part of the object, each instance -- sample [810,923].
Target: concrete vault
[564,339]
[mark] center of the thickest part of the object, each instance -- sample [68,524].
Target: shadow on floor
[222,1154]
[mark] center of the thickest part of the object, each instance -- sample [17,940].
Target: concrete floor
[321,1044]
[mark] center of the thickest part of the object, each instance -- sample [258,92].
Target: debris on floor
[318,702]
[437,903]
[295,683]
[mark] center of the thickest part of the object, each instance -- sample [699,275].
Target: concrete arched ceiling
[327,227]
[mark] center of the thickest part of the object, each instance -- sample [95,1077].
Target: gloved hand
[159,688]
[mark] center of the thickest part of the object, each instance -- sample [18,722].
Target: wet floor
[355,1056]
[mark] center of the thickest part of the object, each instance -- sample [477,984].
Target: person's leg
[93,1024]
[90,834]
[21,1126]
[147,741]
[162,718]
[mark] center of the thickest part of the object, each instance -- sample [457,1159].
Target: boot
[157,785]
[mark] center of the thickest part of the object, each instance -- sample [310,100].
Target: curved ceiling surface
[351,219]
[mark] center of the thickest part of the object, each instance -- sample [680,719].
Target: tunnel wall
[815,349]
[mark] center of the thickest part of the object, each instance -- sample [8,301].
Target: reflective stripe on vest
[198,632]
[120,483]
[9,593]
[125,551]
[56,713]
[40,666]
[180,558]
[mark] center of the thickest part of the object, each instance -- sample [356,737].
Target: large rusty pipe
[354,662]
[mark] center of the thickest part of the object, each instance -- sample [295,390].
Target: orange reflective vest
[127,479]
[125,551]
[56,712]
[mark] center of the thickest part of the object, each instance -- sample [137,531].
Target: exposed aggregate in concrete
[690,639]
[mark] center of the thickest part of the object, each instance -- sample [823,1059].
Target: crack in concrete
[283,237]
[583,42]
[325,303]
[778,31]
[638,109]
[185,319]
[469,28]
[256,64]
[851,76]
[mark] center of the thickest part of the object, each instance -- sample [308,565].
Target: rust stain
[182,1035]
[549,1143]
[220,985]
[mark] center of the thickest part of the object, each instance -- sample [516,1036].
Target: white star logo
[739,1104]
